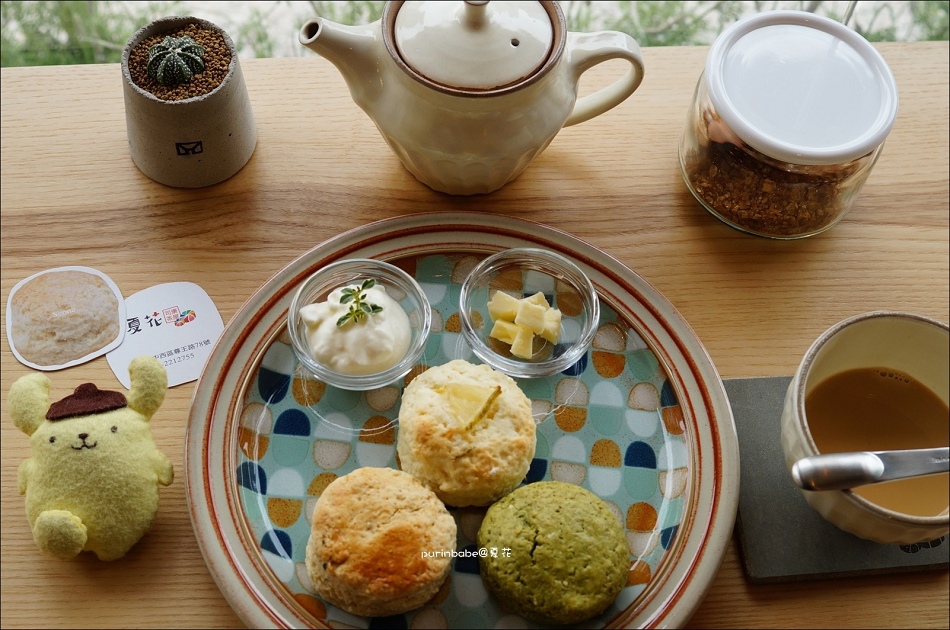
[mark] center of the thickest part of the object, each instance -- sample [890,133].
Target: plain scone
[380,543]
[465,462]
[63,316]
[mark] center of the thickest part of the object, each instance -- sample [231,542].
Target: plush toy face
[91,440]
[92,481]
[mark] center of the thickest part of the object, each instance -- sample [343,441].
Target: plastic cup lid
[801,88]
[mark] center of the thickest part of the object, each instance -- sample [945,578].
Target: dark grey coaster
[781,538]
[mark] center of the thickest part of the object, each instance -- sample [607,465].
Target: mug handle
[586,50]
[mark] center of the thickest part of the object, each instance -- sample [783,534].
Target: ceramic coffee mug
[896,345]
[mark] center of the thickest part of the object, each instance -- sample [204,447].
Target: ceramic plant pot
[197,141]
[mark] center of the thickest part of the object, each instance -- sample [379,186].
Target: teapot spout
[354,50]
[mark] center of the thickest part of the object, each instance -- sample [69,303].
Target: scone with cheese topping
[467,432]
[380,543]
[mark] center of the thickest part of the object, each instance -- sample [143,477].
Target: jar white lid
[801,88]
[474,45]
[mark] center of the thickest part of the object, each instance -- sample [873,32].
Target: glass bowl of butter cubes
[528,312]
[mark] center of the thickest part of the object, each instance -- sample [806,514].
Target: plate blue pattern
[642,420]
[610,423]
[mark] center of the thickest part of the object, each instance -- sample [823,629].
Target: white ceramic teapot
[468,93]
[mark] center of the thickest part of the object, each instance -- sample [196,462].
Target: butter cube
[504,331]
[521,346]
[539,299]
[503,306]
[530,316]
[552,325]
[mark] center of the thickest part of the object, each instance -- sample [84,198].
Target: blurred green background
[71,32]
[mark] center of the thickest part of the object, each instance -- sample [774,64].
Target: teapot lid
[474,45]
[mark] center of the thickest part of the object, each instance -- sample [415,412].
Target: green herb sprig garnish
[359,308]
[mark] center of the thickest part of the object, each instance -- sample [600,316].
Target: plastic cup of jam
[787,120]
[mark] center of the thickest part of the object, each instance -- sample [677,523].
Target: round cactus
[175,60]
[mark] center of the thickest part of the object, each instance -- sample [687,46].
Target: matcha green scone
[568,556]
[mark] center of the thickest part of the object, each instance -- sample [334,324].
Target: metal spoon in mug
[838,471]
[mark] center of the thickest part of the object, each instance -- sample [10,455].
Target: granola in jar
[788,118]
[762,195]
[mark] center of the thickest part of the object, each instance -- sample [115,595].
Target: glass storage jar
[787,120]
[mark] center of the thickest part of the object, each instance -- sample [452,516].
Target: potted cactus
[188,115]
[175,60]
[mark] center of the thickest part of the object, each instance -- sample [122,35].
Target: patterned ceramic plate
[642,421]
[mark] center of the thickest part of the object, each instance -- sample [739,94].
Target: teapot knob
[475,13]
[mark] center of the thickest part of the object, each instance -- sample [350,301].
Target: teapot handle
[586,50]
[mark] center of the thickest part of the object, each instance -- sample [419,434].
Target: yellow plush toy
[92,481]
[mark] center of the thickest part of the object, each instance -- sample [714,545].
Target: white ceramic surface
[474,45]
[909,343]
[194,142]
[702,421]
[467,141]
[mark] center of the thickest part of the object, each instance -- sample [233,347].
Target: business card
[177,323]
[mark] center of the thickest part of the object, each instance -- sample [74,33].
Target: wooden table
[72,196]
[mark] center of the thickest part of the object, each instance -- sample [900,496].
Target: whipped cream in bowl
[359,324]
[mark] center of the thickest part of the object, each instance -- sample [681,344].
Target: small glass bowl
[522,272]
[399,285]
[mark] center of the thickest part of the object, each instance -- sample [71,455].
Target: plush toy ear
[149,382]
[29,401]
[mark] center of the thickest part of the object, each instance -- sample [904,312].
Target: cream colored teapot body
[468,93]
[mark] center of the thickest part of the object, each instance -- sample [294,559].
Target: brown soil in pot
[217,59]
